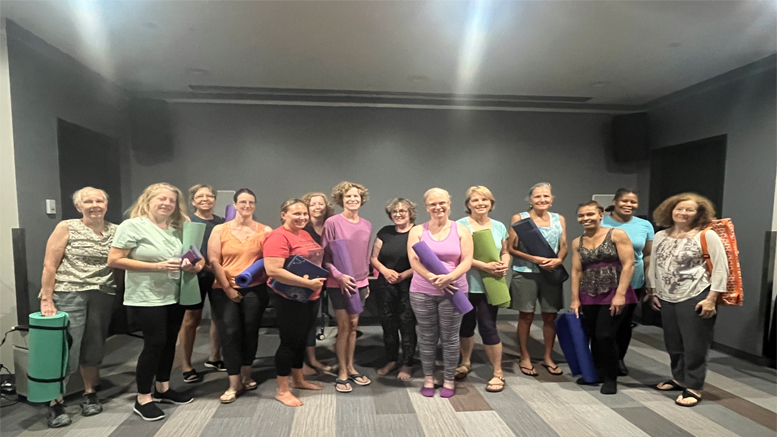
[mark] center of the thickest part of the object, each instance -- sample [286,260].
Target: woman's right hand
[233,295]
[47,308]
[169,265]
[575,307]
[391,275]
[347,284]
[317,284]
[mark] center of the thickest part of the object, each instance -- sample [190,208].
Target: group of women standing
[415,304]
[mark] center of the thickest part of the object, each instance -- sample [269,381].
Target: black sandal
[343,382]
[530,369]
[552,369]
[191,376]
[674,386]
[689,394]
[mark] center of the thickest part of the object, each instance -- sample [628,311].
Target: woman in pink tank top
[437,319]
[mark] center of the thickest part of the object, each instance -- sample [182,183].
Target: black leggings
[238,324]
[623,337]
[397,317]
[484,315]
[160,326]
[294,320]
[602,328]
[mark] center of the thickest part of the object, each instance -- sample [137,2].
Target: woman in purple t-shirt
[434,312]
[356,232]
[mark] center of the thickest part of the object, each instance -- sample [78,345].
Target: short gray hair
[539,185]
[411,207]
[78,196]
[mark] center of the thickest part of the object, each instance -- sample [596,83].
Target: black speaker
[630,138]
[151,135]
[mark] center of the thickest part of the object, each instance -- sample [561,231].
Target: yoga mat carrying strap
[41,346]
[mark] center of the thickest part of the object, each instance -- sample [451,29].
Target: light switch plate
[51,206]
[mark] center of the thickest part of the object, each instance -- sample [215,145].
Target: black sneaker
[148,412]
[172,397]
[217,365]
[57,416]
[90,405]
[622,369]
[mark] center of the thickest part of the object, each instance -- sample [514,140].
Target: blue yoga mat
[250,274]
[535,243]
[574,343]
[300,267]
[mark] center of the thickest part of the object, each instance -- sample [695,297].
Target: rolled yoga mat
[433,264]
[48,351]
[342,262]
[535,243]
[190,286]
[249,275]
[574,343]
[485,250]
[230,213]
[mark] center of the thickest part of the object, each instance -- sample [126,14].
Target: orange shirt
[237,256]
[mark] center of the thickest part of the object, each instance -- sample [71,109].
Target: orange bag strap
[705,253]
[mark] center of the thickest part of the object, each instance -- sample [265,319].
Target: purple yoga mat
[433,264]
[230,213]
[342,262]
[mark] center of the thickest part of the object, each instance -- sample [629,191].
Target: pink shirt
[357,237]
[449,252]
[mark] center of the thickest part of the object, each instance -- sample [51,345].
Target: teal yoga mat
[485,250]
[49,347]
[190,287]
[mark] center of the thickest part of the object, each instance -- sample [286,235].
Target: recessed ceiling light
[149,25]
[675,45]
[600,84]
[197,71]
[418,79]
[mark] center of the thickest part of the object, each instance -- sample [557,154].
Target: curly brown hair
[705,210]
[339,190]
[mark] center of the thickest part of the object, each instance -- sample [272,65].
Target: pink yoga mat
[342,262]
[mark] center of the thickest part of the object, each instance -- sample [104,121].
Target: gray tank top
[84,265]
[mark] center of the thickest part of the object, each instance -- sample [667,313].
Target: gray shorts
[89,315]
[337,299]
[526,288]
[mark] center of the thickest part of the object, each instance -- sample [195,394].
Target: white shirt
[678,270]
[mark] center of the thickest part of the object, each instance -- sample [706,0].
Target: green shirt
[148,243]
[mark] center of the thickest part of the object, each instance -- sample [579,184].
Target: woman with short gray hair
[77,280]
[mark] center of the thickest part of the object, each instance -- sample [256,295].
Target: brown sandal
[500,385]
[230,396]
[461,374]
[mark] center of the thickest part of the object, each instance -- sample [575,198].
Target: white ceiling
[618,52]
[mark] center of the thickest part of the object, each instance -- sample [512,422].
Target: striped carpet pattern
[740,399]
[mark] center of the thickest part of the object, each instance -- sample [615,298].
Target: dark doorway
[88,158]
[698,166]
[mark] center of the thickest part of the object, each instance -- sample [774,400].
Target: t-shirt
[312,231]
[149,243]
[393,252]
[282,243]
[357,237]
[640,231]
[499,232]
[209,225]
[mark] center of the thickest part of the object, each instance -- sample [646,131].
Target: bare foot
[383,371]
[405,373]
[288,399]
[320,366]
[306,385]
[308,371]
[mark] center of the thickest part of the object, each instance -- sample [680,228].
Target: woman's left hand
[708,308]
[617,304]
[550,264]
[443,282]
[187,266]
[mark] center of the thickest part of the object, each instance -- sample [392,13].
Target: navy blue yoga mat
[300,267]
[574,343]
[536,244]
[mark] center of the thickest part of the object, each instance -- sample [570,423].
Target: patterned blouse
[84,265]
[601,273]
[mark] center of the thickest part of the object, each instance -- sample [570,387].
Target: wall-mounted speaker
[151,135]
[630,138]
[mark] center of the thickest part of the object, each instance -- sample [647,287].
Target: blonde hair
[438,191]
[483,191]
[329,209]
[140,207]
[194,189]
[705,210]
[339,190]
[78,196]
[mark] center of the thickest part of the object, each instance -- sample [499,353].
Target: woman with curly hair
[148,246]
[685,292]
[355,231]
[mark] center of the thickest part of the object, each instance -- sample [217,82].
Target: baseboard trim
[742,355]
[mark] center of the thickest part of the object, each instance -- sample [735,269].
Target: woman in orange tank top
[232,248]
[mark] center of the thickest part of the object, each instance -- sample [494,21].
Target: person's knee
[192,319]
[549,318]
[526,317]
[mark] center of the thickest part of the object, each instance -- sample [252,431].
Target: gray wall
[744,109]
[45,85]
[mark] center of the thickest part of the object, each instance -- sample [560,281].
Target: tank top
[84,264]
[237,256]
[449,252]
[601,273]
[552,235]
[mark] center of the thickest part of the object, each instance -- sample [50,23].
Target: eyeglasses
[399,212]
[204,196]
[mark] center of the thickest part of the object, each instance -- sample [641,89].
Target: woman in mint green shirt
[148,246]
[479,203]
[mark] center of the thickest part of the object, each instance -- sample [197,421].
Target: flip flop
[688,394]
[526,370]
[552,368]
[250,385]
[354,376]
[217,365]
[345,382]
[461,374]
[191,376]
[674,386]
[500,385]
[230,396]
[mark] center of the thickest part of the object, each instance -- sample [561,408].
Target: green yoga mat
[485,250]
[190,287]
[49,347]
